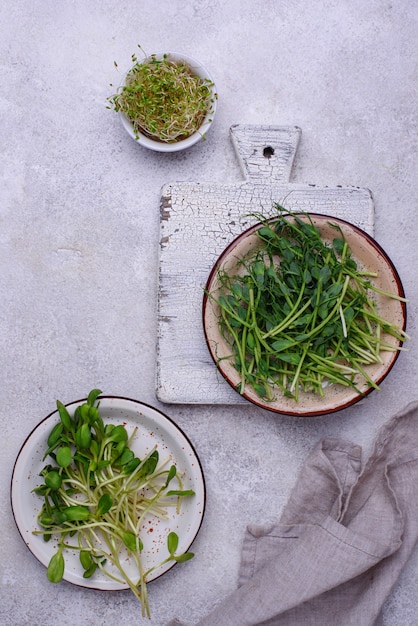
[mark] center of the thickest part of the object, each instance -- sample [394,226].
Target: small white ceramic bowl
[199,70]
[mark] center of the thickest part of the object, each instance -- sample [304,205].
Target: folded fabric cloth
[341,542]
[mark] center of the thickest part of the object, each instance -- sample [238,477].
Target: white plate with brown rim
[153,428]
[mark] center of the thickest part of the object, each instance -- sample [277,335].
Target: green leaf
[130,467]
[55,435]
[126,457]
[99,428]
[94,448]
[302,337]
[250,341]
[118,433]
[56,566]
[86,559]
[102,464]
[131,541]
[53,480]
[289,357]
[241,313]
[64,456]
[303,320]
[334,290]
[84,412]
[323,310]
[59,517]
[182,558]
[282,344]
[237,290]
[329,330]
[42,490]
[93,395]
[260,390]
[55,499]
[348,315]
[284,289]
[266,233]
[77,513]
[45,520]
[259,269]
[151,463]
[88,573]
[105,504]
[222,302]
[307,276]
[83,436]
[324,273]
[180,492]
[294,268]
[93,415]
[172,542]
[171,473]
[65,416]
[338,244]
[315,272]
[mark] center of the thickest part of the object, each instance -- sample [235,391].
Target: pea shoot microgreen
[97,493]
[299,314]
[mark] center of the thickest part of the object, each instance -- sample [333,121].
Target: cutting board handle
[265,153]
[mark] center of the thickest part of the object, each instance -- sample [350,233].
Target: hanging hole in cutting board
[268,152]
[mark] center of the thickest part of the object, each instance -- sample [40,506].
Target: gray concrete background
[79,215]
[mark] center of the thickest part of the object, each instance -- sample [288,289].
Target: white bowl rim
[159,146]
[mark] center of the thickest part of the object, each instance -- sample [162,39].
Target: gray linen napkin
[341,542]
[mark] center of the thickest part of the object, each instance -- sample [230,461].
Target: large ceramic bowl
[369,255]
[199,70]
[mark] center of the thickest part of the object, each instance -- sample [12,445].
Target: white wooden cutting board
[198,220]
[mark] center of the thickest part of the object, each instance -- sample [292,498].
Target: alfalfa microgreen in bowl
[167,101]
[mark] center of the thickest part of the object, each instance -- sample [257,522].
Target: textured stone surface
[79,244]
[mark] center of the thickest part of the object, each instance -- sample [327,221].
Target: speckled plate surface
[154,428]
[369,255]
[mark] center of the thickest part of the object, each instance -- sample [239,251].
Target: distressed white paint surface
[198,221]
